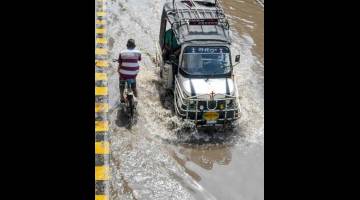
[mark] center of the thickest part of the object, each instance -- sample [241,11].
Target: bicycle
[129,105]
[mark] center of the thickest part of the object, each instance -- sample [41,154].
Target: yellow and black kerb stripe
[102,147]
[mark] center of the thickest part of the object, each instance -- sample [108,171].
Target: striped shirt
[128,64]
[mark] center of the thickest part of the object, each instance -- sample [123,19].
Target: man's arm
[119,61]
[177,52]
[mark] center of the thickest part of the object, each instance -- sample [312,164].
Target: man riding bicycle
[128,67]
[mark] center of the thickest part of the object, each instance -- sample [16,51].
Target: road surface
[159,158]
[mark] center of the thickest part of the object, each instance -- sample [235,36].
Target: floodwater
[159,158]
[248,17]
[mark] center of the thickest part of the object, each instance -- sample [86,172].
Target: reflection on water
[226,171]
[203,156]
[206,156]
[205,147]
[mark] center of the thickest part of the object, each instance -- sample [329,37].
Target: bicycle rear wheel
[131,111]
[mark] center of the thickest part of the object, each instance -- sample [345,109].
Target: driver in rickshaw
[171,47]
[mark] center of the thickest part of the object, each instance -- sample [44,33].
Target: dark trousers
[122,88]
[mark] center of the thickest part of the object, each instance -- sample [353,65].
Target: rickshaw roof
[199,20]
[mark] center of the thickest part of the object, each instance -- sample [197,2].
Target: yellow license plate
[211,116]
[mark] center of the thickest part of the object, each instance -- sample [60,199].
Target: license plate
[211,122]
[211,117]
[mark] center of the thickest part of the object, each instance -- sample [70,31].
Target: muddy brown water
[248,16]
[157,159]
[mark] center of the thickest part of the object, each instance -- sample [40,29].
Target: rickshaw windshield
[207,60]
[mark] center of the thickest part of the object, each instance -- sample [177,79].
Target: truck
[196,63]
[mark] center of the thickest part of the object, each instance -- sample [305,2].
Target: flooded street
[158,158]
[248,17]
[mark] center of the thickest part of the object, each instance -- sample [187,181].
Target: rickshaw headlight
[192,104]
[201,107]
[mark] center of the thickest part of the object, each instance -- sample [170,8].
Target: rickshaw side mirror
[237,58]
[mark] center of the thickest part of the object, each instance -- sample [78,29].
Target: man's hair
[131,44]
